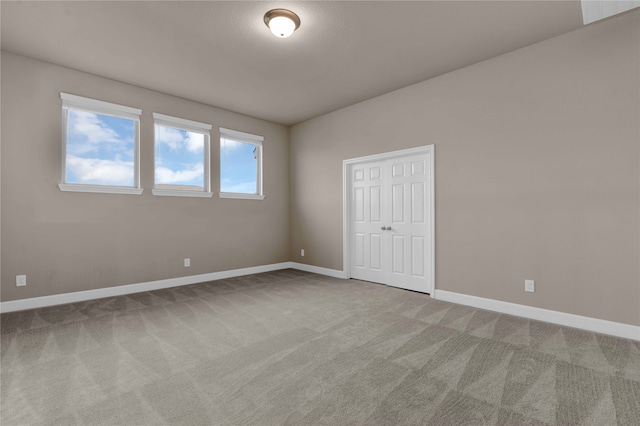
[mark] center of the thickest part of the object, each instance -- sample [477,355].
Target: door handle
[386,228]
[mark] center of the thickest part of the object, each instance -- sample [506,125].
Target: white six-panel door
[390,220]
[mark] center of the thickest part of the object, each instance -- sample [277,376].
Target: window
[181,157]
[240,165]
[100,151]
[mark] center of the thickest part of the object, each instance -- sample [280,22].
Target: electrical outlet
[302,252]
[530,286]
[187,262]
[21,280]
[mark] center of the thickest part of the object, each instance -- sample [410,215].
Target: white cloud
[170,137]
[165,175]
[101,172]
[176,140]
[195,142]
[93,131]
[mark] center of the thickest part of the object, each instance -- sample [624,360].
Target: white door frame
[346,203]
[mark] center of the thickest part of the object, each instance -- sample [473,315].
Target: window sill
[180,193]
[241,196]
[104,189]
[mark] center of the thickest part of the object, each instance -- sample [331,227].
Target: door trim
[346,204]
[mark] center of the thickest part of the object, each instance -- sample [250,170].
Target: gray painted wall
[537,176]
[537,172]
[67,242]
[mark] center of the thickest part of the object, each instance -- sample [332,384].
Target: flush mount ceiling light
[281,22]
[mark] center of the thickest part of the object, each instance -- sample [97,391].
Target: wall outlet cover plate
[530,286]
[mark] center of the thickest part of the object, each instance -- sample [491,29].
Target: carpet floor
[294,348]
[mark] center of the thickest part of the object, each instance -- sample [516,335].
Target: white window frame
[189,126]
[254,140]
[105,108]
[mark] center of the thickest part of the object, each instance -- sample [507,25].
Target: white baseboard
[318,270]
[617,329]
[99,293]
[570,320]
[81,296]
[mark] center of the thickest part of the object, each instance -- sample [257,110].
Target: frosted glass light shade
[281,26]
[282,22]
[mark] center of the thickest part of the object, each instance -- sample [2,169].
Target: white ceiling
[222,54]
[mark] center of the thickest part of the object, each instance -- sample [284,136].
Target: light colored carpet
[295,348]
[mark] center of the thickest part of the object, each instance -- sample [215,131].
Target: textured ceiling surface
[222,54]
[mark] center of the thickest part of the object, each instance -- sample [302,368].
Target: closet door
[369,257]
[389,228]
[406,234]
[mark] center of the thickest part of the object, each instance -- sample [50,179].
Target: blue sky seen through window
[100,149]
[238,167]
[179,158]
